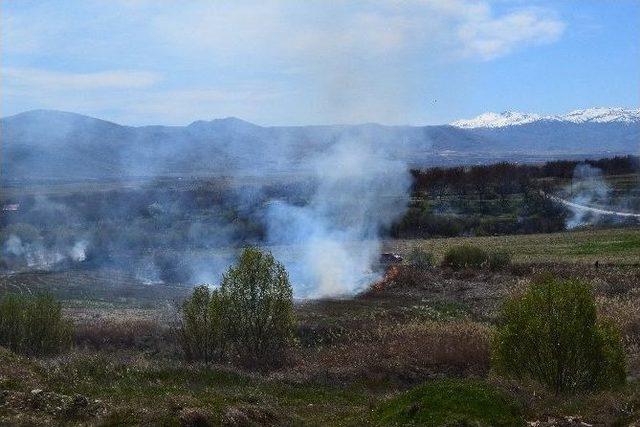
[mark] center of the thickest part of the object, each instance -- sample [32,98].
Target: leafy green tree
[259,309]
[249,320]
[551,334]
[202,326]
[33,325]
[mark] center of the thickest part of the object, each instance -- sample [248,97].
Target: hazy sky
[313,62]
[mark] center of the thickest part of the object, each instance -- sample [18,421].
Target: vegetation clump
[33,325]
[201,329]
[465,256]
[551,334]
[421,259]
[450,402]
[249,320]
[469,256]
[499,260]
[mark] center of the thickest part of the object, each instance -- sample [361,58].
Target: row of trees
[529,213]
[508,178]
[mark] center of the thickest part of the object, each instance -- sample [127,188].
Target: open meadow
[354,359]
[615,246]
[320,213]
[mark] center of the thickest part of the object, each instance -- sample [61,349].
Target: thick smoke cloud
[336,234]
[322,219]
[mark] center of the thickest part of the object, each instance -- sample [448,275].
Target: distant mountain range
[60,145]
[514,118]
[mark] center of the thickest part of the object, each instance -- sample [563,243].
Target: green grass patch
[440,311]
[626,243]
[131,387]
[450,402]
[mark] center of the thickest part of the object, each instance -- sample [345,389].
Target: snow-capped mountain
[589,115]
[603,115]
[60,145]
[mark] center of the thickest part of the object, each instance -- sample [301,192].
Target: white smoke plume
[332,242]
[31,255]
[587,188]
[593,200]
[78,251]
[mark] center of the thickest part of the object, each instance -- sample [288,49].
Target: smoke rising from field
[592,200]
[587,188]
[323,223]
[359,192]
[324,228]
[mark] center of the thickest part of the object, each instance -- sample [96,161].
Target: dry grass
[416,326]
[401,354]
[619,246]
[136,334]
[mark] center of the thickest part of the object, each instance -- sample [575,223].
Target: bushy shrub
[421,259]
[201,329]
[499,260]
[258,300]
[465,256]
[33,325]
[248,320]
[551,334]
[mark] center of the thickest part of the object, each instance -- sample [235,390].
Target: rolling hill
[61,145]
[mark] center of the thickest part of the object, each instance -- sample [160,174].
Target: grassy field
[618,246]
[412,350]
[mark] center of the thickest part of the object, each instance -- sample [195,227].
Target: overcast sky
[315,62]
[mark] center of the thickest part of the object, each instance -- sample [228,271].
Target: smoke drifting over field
[359,192]
[592,200]
[587,188]
[323,224]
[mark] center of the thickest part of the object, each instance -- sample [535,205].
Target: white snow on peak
[511,118]
[497,120]
[603,115]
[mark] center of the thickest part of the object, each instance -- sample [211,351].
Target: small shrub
[249,319]
[258,301]
[450,403]
[202,326]
[499,260]
[551,334]
[33,325]
[465,256]
[421,259]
